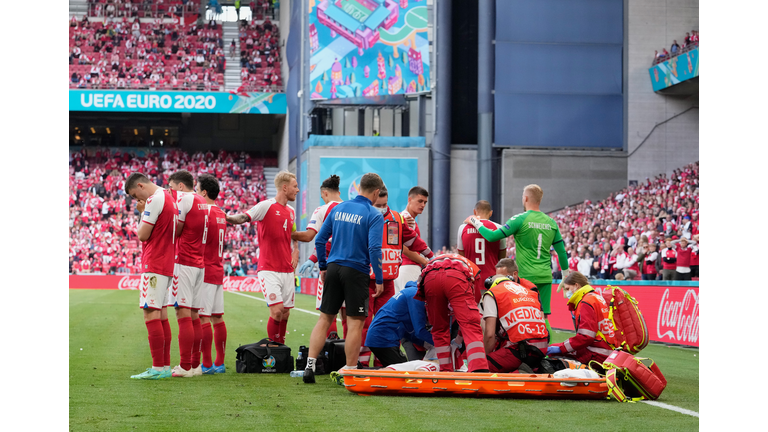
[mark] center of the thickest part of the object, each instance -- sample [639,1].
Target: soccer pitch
[108,344]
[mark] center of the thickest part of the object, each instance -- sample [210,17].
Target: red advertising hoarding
[131,282]
[671,312]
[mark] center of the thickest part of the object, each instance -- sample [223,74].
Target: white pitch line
[672,408]
[295,308]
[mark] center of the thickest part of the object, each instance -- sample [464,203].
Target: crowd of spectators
[259,56]
[103,219]
[690,42]
[649,231]
[126,53]
[143,8]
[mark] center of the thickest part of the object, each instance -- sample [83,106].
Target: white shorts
[278,288]
[153,291]
[407,274]
[186,287]
[212,300]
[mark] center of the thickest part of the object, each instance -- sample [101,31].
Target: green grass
[109,328]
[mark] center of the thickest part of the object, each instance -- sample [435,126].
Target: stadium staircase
[78,8]
[269,176]
[232,71]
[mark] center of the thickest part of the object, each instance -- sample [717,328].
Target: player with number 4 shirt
[277,220]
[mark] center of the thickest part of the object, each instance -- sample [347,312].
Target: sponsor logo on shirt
[146,213]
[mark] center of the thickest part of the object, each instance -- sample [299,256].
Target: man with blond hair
[534,234]
[276,260]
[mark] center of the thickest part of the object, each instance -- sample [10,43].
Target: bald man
[534,234]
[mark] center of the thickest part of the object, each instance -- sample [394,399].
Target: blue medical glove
[552,349]
[306,268]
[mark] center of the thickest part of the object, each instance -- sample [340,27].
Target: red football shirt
[213,237]
[158,252]
[479,250]
[276,223]
[192,211]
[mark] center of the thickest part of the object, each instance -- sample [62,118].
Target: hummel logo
[277,212]
[361,309]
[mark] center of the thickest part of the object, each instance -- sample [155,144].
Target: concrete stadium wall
[653,25]
[463,188]
[567,177]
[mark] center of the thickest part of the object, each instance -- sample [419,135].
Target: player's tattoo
[237,219]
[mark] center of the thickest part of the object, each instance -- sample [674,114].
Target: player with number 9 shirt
[484,253]
[534,234]
[212,306]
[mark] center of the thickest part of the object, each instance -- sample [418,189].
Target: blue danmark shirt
[356,227]
[401,317]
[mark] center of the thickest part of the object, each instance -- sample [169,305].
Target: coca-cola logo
[679,320]
[247,284]
[129,283]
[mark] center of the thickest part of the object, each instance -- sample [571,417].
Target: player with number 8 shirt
[534,234]
[212,307]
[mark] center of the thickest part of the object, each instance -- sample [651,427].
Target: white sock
[166,368]
[158,368]
[350,367]
[311,363]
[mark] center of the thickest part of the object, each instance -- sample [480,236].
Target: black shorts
[345,284]
[388,356]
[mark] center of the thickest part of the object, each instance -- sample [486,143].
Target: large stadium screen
[368,48]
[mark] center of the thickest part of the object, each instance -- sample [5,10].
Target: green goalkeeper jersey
[534,233]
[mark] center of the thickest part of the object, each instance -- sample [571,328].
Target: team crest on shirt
[272,296]
[153,281]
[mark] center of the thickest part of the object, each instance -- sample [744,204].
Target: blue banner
[363,48]
[399,176]
[363,141]
[176,101]
[675,70]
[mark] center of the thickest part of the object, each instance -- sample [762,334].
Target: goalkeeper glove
[475,222]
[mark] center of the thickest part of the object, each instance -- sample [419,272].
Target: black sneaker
[309,376]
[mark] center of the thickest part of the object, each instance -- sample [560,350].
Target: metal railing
[681,51]
[142,10]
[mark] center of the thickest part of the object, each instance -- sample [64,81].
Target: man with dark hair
[157,224]
[412,264]
[212,296]
[356,228]
[186,290]
[482,252]
[329,193]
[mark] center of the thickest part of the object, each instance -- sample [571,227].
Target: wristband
[475,222]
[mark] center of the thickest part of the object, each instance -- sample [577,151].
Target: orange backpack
[631,331]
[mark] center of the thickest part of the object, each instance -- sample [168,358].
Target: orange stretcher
[412,383]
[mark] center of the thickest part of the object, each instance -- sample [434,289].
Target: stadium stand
[655,209]
[128,53]
[103,220]
[259,56]
[142,8]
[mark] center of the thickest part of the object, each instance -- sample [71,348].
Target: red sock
[333,328]
[168,341]
[206,349]
[273,329]
[220,339]
[283,328]
[198,342]
[156,341]
[186,339]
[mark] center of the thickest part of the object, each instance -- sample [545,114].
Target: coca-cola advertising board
[131,282]
[671,312]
